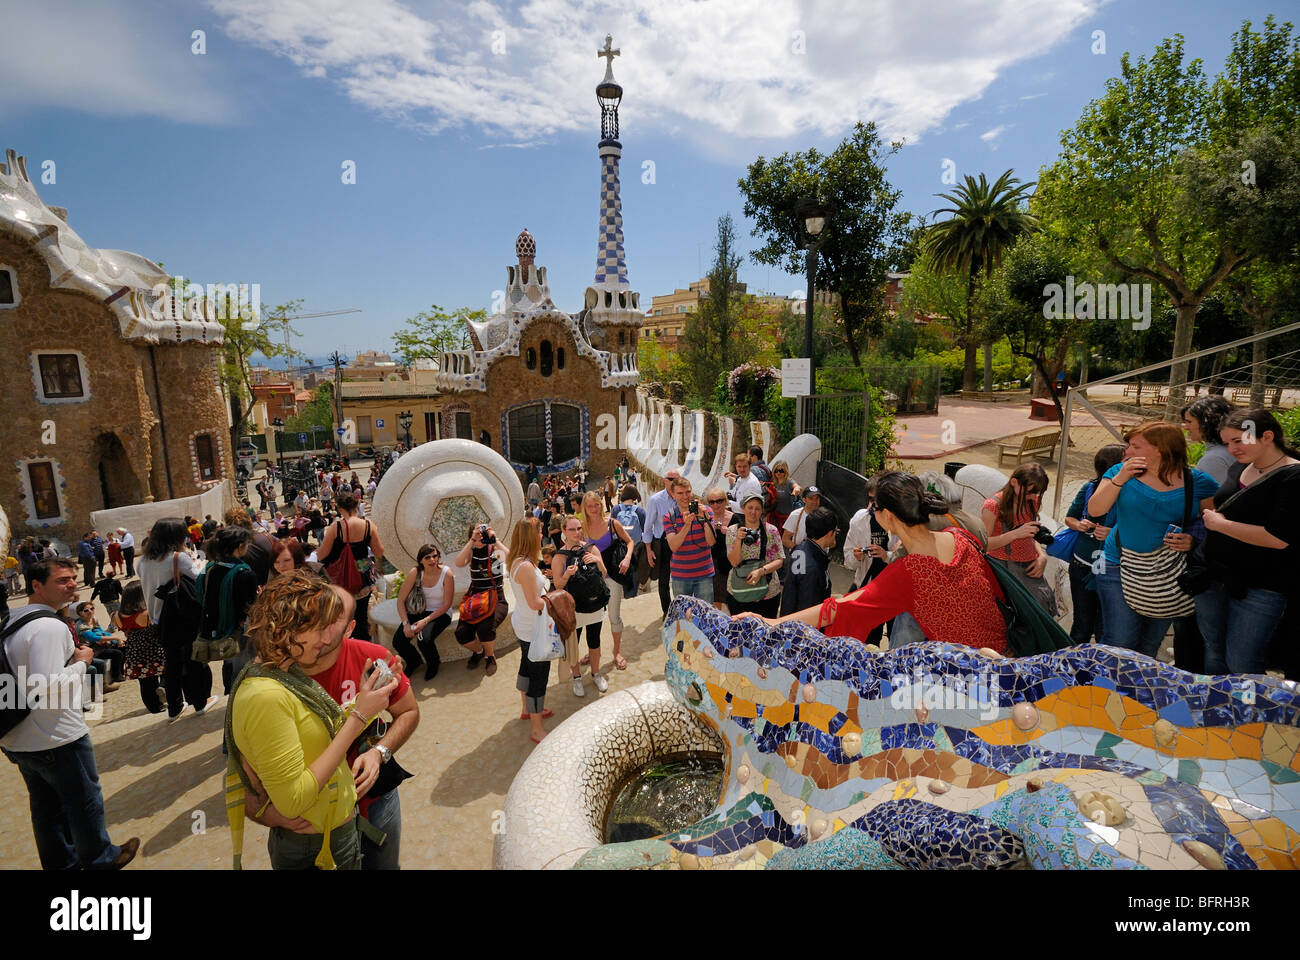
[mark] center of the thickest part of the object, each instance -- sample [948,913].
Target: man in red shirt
[339,670]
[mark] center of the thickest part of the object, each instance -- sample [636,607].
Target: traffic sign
[302,438]
[340,431]
[380,423]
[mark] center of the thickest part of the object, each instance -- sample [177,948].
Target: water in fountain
[664,796]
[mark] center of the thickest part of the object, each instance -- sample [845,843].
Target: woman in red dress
[943,581]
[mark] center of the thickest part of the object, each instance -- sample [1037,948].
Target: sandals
[546,714]
[535,738]
[620,661]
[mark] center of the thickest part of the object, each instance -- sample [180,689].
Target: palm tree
[985,220]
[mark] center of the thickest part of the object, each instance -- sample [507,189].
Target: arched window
[530,358]
[622,338]
[559,358]
[547,358]
[566,428]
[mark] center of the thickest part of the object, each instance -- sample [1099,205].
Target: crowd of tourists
[315,711]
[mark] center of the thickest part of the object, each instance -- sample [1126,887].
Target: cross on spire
[609,54]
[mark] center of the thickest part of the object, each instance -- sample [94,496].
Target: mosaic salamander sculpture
[935,756]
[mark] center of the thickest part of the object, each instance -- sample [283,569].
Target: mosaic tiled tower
[613,310]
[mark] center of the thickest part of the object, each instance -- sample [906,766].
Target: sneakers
[601,683]
[491,666]
[199,710]
[474,660]
[578,690]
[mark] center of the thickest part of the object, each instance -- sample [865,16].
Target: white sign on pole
[796,377]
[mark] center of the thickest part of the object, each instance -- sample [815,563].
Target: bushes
[747,387]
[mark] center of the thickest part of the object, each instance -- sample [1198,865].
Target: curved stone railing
[555,808]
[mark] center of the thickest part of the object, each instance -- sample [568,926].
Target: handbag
[1150,580]
[224,639]
[1066,539]
[478,606]
[613,557]
[737,583]
[415,599]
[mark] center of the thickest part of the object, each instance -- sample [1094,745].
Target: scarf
[315,699]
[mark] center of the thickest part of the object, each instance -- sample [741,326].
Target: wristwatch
[384,753]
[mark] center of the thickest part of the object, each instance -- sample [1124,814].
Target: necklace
[1263,470]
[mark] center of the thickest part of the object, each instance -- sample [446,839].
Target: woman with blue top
[1093,532]
[1156,496]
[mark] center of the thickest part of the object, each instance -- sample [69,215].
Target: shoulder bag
[1151,580]
[738,584]
[342,570]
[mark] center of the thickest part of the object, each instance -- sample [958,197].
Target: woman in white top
[438,586]
[186,680]
[522,561]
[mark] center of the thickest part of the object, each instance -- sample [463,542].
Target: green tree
[865,237]
[1012,303]
[432,332]
[710,345]
[1117,180]
[245,338]
[318,412]
[986,219]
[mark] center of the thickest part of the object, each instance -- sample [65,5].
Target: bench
[1272,396]
[1034,446]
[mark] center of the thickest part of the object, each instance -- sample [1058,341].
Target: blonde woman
[601,529]
[523,561]
[578,552]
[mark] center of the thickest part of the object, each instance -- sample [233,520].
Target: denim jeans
[298,851]
[904,630]
[386,815]
[67,806]
[1087,606]
[1237,632]
[694,588]
[1122,626]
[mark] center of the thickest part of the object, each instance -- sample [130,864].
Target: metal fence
[841,421]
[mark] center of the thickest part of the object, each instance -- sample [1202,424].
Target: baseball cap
[811,492]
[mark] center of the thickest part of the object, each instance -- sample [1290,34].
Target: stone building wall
[116,420]
[510,383]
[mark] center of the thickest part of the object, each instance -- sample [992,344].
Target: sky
[215,136]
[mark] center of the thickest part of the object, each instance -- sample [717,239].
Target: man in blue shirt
[657,509]
[86,556]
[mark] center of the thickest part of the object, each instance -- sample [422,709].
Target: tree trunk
[988,367]
[1259,361]
[1183,330]
[968,374]
[1086,355]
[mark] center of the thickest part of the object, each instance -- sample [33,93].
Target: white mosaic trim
[34,362]
[29,498]
[218,456]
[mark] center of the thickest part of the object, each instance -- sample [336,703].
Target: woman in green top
[290,735]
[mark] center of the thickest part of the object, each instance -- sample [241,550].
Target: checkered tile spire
[611,263]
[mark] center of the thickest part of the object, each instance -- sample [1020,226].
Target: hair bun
[932,505]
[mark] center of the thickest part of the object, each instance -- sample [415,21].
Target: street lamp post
[278,426]
[813,215]
[405,418]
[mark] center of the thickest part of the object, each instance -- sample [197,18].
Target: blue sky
[470,121]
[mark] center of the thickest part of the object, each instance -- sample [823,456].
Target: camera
[381,668]
[694,506]
[751,536]
[488,538]
[1042,536]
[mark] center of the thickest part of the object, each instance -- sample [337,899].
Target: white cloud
[1033,96]
[727,67]
[724,72]
[989,136]
[89,56]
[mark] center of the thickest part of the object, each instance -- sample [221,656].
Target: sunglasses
[712,502]
[779,473]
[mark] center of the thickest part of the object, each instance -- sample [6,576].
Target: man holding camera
[340,670]
[690,533]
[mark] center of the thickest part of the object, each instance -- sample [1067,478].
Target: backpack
[769,496]
[14,710]
[588,588]
[182,609]
[344,571]
[221,629]
[1030,628]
